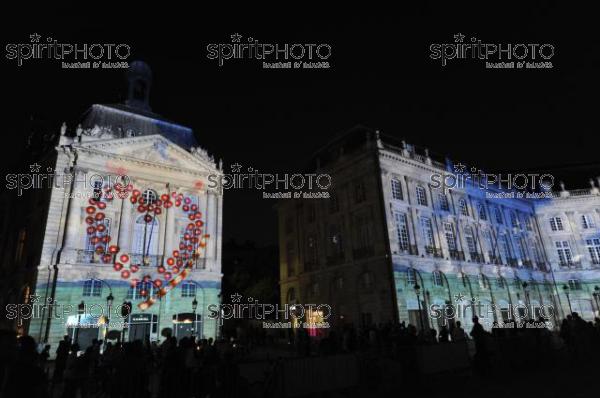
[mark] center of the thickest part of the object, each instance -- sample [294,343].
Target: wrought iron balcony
[457,255]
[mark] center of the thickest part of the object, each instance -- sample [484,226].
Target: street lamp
[566,289]
[194,307]
[109,303]
[597,298]
[417,291]
[527,302]
[80,311]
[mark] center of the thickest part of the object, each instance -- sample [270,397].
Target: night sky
[381,76]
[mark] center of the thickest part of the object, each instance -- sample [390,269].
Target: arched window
[149,197]
[481,211]
[145,236]
[92,288]
[141,290]
[411,277]
[188,289]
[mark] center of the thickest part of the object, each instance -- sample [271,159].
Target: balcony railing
[572,264]
[410,249]
[91,257]
[150,260]
[476,257]
[433,251]
[513,262]
[528,263]
[495,259]
[88,257]
[457,255]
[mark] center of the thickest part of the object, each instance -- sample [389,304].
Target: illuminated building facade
[390,244]
[145,221]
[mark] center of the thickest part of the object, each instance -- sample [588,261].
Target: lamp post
[597,298]
[194,307]
[80,311]
[417,291]
[527,302]
[109,303]
[566,289]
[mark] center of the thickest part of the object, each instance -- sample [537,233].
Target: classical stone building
[162,163]
[390,244]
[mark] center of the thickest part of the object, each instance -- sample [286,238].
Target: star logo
[236,167]
[459,167]
[236,37]
[236,298]
[33,298]
[459,37]
[34,168]
[459,297]
[35,38]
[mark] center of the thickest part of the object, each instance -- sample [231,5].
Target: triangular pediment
[153,149]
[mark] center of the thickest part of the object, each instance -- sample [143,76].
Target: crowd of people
[192,367]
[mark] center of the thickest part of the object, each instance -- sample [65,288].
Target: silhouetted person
[444,334]
[458,333]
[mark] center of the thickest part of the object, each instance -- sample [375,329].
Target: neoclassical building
[143,173]
[390,244]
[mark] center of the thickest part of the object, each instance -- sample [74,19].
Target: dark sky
[380,76]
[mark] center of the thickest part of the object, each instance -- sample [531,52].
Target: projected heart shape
[174,268]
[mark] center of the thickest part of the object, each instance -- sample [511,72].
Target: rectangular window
[427,230]
[462,204]
[443,199]
[402,231]
[396,189]
[587,221]
[421,196]
[450,236]
[565,257]
[437,278]
[593,246]
[556,224]
[470,238]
